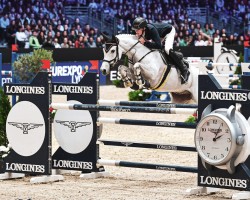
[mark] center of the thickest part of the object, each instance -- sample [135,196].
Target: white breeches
[169,40]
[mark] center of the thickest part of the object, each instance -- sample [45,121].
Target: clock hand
[216,133]
[218,130]
[214,139]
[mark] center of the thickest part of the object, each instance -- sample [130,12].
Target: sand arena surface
[124,183]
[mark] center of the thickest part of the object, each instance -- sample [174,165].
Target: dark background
[77,54]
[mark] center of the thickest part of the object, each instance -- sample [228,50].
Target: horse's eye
[113,51]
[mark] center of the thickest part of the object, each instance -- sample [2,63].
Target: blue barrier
[246,54]
[7,73]
[155,96]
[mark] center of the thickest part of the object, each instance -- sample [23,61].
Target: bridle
[111,62]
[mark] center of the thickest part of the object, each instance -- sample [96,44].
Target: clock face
[213,140]
[226,57]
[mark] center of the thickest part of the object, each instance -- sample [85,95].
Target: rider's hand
[142,40]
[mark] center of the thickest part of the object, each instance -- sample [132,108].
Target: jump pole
[224,64]
[231,86]
[227,75]
[159,104]
[147,166]
[92,107]
[147,145]
[147,123]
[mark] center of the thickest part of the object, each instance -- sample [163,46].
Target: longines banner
[211,93]
[74,129]
[28,127]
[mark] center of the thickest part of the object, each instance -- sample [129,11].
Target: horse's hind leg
[138,77]
[124,72]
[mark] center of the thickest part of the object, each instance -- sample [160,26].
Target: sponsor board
[5,78]
[28,127]
[72,72]
[211,93]
[74,129]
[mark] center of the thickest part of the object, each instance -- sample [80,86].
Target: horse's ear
[105,37]
[115,39]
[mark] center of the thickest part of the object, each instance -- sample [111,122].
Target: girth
[164,77]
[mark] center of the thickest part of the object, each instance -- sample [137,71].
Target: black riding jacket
[156,32]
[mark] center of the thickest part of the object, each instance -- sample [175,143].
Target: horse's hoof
[141,87]
[139,82]
[128,84]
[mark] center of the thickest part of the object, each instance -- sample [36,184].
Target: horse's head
[111,53]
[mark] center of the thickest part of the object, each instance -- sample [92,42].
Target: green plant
[118,83]
[126,60]
[191,119]
[138,95]
[241,58]
[28,65]
[4,151]
[5,107]
[52,115]
[236,82]
[238,70]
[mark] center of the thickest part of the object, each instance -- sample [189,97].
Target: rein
[131,60]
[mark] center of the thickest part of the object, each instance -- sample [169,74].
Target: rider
[157,33]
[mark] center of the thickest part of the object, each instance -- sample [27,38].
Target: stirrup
[183,80]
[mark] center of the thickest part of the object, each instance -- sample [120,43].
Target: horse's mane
[122,36]
[130,38]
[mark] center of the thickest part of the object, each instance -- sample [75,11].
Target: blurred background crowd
[78,23]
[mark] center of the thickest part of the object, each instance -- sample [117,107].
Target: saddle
[169,61]
[166,58]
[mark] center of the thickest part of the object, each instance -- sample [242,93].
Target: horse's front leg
[125,75]
[143,83]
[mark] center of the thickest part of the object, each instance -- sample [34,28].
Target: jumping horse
[148,69]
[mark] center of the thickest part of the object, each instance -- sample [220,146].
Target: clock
[227,57]
[220,137]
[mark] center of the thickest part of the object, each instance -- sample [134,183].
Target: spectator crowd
[188,31]
[43,23]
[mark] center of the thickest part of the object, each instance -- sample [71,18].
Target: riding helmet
[138,23]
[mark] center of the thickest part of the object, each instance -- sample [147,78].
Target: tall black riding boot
[182,66]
